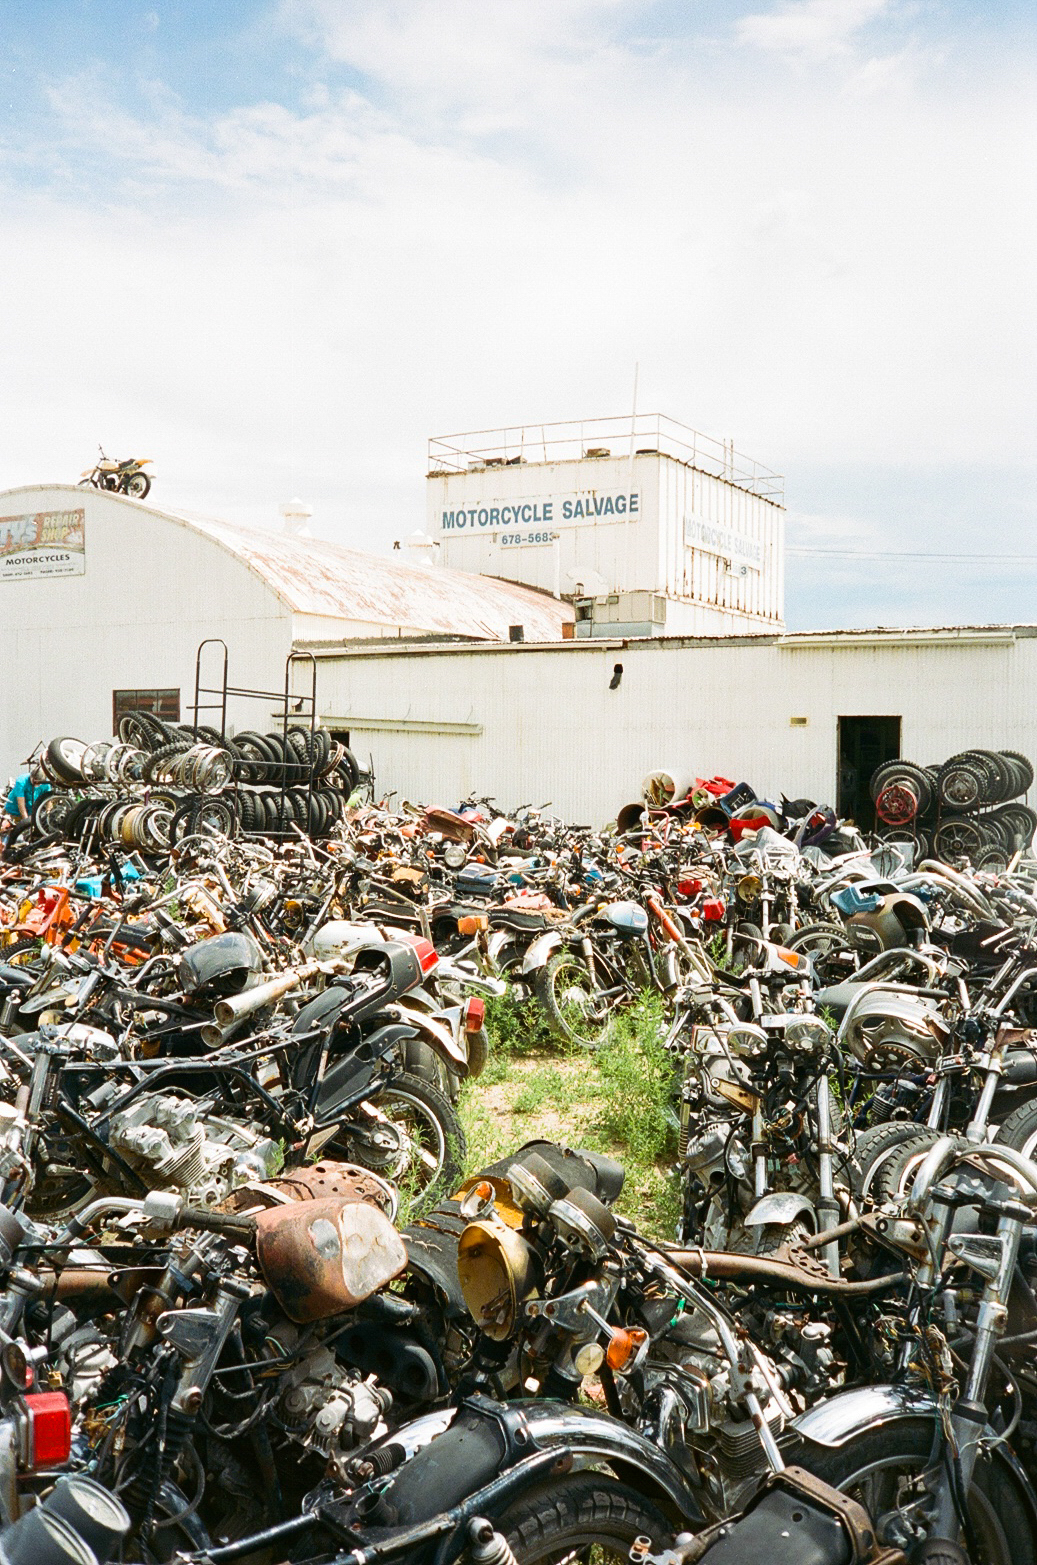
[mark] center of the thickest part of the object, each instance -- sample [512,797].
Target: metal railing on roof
[588,439]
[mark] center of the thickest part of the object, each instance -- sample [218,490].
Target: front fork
[969,1417]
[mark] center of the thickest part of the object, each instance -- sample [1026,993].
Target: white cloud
[812,29]
[509,208]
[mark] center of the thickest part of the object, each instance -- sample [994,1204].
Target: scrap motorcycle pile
[254,1306]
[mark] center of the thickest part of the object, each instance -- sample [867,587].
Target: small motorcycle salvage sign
[49,543]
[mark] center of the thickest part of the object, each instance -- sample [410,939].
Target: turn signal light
[50,1429]
[471,923]
[625,1345]
[474,1014]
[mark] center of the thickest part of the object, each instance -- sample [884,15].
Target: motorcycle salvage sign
[47,543]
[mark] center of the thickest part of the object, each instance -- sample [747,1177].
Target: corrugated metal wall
[529,724]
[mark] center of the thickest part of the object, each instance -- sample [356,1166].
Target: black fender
[486,1440]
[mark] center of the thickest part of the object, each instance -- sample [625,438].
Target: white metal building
[581,723]
[653,528]
[103,601]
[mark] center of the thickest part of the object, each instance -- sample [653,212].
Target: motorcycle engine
[688,1407]
[173,1146]
[328,1408]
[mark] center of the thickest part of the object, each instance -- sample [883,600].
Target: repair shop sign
[48,543]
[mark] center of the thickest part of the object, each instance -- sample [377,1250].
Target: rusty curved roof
[316,577]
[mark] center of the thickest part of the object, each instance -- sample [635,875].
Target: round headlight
[497,1271]
[808,1034]
[749,888]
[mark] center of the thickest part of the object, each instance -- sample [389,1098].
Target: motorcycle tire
[137,486]
[581,1512]
[873,1149]
[1025,770]
[64,757]
[833,956]
[351,768]
[443,1133]
[557,987]
[20,953]
[962,784]
[50,812]
[1019,1130]
[958,836]
[875,1465]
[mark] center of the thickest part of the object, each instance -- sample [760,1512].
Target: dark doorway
[864,744]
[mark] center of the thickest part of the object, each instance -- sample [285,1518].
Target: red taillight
[50,1429]
[474,1014]
[713,910]
[689,888]
[425,952]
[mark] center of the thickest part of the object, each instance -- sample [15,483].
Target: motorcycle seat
[511,918]
[836,998]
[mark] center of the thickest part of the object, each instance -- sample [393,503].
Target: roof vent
[297,515]
[421,549]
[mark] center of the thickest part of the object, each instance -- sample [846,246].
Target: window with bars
[161,703]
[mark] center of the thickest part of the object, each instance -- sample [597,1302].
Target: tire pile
[970,807]
[157,782]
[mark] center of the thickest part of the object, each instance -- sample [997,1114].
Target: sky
[277,244]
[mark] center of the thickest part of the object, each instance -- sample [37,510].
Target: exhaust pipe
[228,1011]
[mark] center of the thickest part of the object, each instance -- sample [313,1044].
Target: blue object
[852,901]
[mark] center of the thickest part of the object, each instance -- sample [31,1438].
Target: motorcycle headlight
[749,888]
[497,1270]
[808,1034]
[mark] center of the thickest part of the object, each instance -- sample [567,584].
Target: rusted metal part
[322,1257]
[315,1182]
[316,577]
[802,1271]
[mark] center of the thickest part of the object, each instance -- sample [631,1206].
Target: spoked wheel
[583,1518]
[410,1135]
[833,955]
[882,1469]
[574,1007]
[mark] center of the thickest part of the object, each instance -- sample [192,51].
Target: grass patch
[616,1100]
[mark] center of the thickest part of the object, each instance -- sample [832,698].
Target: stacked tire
[968,808]
[158,782]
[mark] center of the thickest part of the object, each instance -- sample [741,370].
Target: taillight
[425,951]
[713,910]
[474,1014]
[793,958]
[689,888]
[50,1429]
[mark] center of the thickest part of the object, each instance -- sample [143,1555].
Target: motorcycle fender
[496,943]
[849,1414]
[542,948]
[438,1037]
[481,1446]
[841,1419]
[781,1207]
